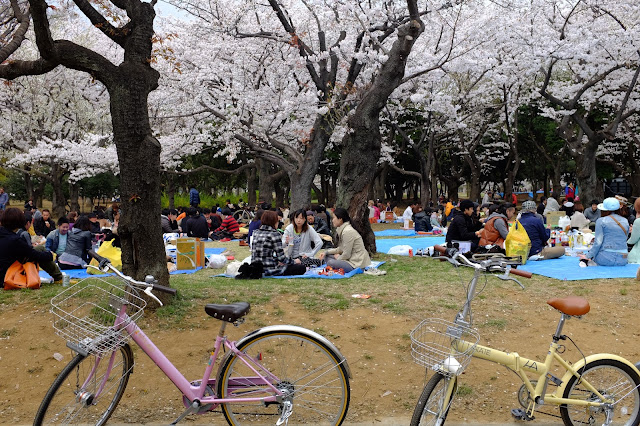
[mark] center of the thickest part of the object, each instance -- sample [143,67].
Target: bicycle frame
[190,391]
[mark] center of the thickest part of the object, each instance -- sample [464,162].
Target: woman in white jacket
[301,241]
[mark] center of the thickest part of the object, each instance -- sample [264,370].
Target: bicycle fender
[594,357]
[301,330]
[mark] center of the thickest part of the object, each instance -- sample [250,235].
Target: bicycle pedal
[520,414]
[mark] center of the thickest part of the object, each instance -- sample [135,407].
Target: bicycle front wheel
[88,389]
[615,381]
[431,408]
[310,375]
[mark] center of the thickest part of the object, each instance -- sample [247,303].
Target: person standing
[4,199]
[194,198]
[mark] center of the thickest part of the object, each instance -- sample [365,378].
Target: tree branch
[405,172]
[118,35]
[19,34]
[213,169]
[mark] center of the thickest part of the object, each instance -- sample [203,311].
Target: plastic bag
[564,222]
[518,242]
[232,268]
[114,254]
[401,250]
[217,261]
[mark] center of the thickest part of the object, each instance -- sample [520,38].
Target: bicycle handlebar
[105,264]
[458,258]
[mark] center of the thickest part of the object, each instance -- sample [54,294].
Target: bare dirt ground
[385,383]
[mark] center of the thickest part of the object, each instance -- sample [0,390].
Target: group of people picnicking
[286,243]
[614,222]
[30,234]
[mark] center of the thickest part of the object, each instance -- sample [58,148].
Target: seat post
[563,317]
[223,326]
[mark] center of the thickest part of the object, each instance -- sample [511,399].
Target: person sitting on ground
[168,221]
[57,239]
[510,212]
[195,225]
[552,204]
[103,221]
[255,223]
[95,225]
[538,234]
[72,216]
[542,205]
[495,228]
[408,214]
[578,219]
[435,219]
[44,224]
[266,247]
[230,206]
[301,241]
[568,206]
[13,247]
[610,242]
[462,227]
[111,211]
[24,231]
[320,226]
[634,238]
[351,252]
[76,253]
[227,228]
[421,220]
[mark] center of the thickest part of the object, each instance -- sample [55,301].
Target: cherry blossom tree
[126,73]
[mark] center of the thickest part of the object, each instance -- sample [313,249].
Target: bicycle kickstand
[193,408]
[287,409]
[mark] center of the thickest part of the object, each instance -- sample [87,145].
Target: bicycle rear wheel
[88,389]
[431,409]
[614,380]
[308,372]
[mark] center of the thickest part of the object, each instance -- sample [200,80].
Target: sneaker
[225,240]
[243,243]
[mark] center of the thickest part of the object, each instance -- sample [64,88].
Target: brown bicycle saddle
[571,305]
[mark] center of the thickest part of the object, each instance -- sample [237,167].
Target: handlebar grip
[163,289]
[101,260]
[441,249]
[525,274]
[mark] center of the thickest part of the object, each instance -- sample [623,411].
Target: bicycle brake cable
[583,358]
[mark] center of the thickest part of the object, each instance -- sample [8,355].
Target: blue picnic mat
[396,233]
[383,245]
[208,251]
[568,268]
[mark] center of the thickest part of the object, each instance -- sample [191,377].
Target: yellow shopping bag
[518,242]
[114,254]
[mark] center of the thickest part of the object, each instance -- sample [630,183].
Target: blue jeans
[607,258]
[338,264]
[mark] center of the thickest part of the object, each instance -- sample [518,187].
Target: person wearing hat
[462,227]
[610,242]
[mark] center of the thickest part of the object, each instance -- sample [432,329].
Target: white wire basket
[443,346]
[85,314]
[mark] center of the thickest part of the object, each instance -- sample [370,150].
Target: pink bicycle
[275,374]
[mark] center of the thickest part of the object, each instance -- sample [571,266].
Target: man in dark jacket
[195,225]
[43,225]
[462,227]
[168,221]
[194,198]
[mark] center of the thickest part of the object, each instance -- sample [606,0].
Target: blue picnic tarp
[383,245]
[568,268]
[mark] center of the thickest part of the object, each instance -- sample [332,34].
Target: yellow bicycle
[600,389]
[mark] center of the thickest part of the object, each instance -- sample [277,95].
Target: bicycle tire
[292,356]
[61,405]
[433,396]
[611,378]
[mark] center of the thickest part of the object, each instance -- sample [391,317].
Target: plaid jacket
[266,247]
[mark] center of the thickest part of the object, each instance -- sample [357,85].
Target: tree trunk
[252,186]
[586,173]
[265,183]
[281,190]
[139,159]
[379,184]
[74,195]
[170,190]
[58,201]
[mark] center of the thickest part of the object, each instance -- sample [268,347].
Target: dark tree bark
[74,195]
[58,201]
[129,85]
[252,185]
[362,143]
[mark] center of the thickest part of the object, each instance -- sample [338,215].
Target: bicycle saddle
[229,313]
[572,305]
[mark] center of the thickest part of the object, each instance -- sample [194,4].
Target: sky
[165,9]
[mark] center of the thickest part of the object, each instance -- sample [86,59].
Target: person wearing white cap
[610,243]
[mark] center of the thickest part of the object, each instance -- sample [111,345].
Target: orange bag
[22,275]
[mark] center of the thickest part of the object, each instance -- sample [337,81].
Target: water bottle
[65,279]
